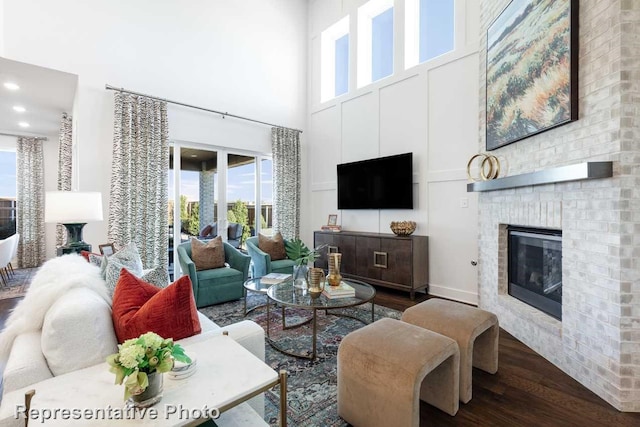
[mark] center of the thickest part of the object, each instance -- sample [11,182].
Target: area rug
[18,283]
[312,385]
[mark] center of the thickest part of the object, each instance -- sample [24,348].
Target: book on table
[343,290]
[273,278]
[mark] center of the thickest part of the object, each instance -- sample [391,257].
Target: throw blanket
[56,277]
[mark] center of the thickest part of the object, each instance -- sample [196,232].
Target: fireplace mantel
[577,172]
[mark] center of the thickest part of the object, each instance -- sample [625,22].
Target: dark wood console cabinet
[399,262]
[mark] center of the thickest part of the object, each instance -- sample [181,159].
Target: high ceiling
[44,93]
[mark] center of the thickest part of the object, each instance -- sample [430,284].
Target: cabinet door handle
[380,259]
[332,249]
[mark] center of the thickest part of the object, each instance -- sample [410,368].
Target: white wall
[246,57]
[430,110]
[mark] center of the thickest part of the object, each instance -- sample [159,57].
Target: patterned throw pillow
[96,259]
[128,257]
[140,307]
[209,255]
[158,276]
[274,246]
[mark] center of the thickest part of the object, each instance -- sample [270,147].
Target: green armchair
[261,261]
[219,284]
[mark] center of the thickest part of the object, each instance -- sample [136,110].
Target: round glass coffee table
[287,295]
[255,285]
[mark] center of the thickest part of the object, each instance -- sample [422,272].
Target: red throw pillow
[139,307]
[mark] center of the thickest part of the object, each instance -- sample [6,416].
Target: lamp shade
[69,207]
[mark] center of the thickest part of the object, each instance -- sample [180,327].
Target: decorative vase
[151,395]
[316,282]
[300,273]
[334,278]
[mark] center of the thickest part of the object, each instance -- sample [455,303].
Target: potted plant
[302,255]
[140,363]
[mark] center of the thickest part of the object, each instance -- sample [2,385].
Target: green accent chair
[217,285]
[261,261]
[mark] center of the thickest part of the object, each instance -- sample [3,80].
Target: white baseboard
[454,294]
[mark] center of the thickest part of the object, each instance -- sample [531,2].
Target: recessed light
[23,124]
[194,155]
[19,109]
[11,86]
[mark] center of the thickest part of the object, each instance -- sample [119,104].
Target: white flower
[151,340]
[131,355]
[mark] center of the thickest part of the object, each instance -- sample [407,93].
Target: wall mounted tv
[381,183]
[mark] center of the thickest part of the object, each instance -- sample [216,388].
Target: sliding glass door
[216,192]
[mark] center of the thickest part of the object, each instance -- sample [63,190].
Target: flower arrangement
[139,357]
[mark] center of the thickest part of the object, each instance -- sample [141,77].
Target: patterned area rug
[312,385]
[18,283]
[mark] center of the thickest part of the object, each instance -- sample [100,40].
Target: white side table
[227,375]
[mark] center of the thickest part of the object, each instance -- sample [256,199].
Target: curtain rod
[44,138]
[223,114]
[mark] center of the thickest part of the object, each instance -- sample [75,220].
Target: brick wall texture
[598,340]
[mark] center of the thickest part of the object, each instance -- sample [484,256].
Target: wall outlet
[464,202]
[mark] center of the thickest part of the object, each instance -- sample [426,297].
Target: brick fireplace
[597,342]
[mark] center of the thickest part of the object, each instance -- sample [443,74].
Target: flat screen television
[381,183]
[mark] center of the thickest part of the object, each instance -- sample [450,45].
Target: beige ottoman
[475,331]
[385,368]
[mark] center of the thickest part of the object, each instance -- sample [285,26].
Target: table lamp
[73,209]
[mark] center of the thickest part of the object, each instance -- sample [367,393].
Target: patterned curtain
[285,145]
[30,211]
[65,154]
[138,207]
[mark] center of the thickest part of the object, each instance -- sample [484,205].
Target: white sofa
[77,332]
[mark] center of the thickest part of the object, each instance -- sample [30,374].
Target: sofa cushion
[274,246]
[209,255]
[26,363]
[77,331]
[139,307]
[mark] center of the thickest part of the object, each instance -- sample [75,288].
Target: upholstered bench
[475,331]
[385,368]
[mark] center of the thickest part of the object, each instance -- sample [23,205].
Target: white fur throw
[54,279]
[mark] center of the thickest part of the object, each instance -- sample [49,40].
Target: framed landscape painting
[532,69]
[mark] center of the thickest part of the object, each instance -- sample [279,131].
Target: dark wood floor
[527,390]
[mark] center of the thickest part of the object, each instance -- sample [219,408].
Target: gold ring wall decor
[489,167]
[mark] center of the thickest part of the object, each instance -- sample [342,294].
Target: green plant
[239,213]
[300,253]
[138,357]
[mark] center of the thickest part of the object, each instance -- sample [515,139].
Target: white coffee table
[227,375]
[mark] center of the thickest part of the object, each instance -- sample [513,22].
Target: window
[429,30]
[334,60]
[375,41]
[342,65]
[7,193]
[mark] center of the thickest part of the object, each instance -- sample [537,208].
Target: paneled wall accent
[430,110]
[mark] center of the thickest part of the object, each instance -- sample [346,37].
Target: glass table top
[256,285]
[287,294]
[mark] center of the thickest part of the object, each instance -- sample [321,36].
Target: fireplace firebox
[535,268]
